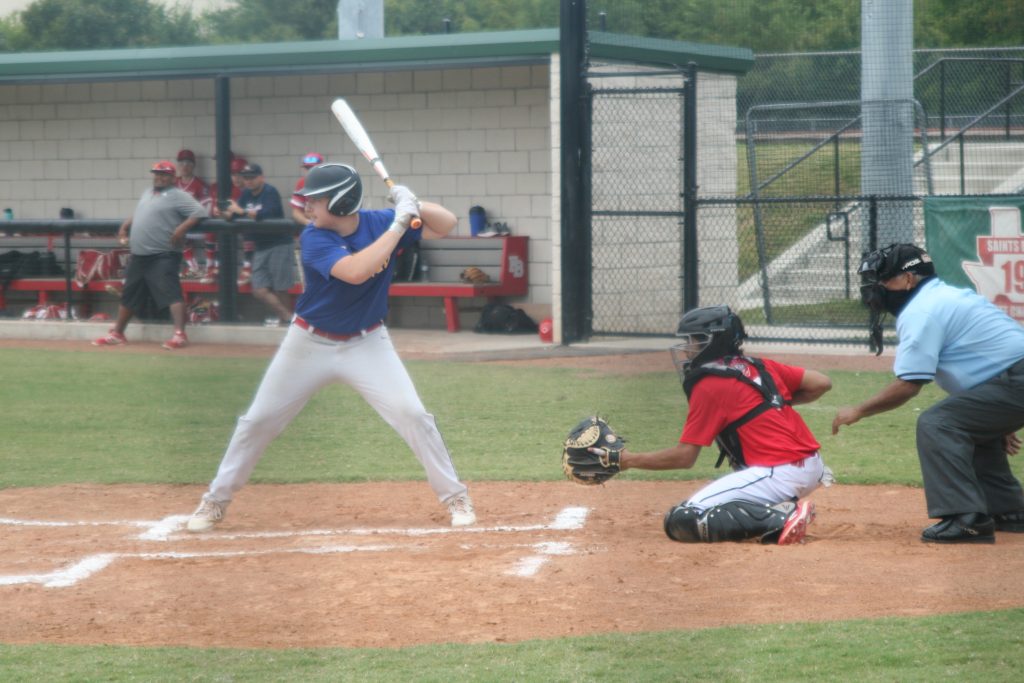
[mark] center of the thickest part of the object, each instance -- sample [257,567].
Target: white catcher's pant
[306,363]
[767,485]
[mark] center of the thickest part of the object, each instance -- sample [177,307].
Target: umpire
[975,352]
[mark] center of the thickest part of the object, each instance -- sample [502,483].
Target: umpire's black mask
[884,264]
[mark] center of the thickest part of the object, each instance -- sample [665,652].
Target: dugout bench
[503,258]
[52,286]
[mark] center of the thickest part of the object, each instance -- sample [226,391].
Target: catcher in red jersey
[744,404]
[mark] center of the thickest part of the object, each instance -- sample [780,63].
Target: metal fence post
[227,242]
[942,99]
[576,258]
[872,223]
[691,294]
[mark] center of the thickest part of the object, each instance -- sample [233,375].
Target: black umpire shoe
[972,527]
[1010,521]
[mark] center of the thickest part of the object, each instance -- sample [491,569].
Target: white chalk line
[568,519]
[83,569]
[531,564]
[157,530]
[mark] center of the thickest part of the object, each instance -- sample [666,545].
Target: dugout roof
[451,50]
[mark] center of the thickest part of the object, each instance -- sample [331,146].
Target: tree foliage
[762,25]
[272,21]
[978,23]
[405,17]
[98,24]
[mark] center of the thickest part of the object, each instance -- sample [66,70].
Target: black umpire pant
[964,463]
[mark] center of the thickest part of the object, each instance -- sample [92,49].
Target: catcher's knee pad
[739,520]
[681,524]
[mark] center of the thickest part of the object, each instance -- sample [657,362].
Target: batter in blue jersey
[338,335]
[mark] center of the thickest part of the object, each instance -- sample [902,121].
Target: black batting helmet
[340,183]
[707,333]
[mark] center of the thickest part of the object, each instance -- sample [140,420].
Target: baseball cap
[312,159]
[237,164]
[894,259]
[164,167]
[186,155]
[251,170]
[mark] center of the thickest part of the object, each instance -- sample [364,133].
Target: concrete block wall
[460,137]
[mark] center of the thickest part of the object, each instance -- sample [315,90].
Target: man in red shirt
[745,405]
[188,181]
[212,263]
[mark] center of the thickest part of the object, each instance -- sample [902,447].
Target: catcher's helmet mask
[340,183]
[706,333]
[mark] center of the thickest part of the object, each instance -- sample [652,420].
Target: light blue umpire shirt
[955,337]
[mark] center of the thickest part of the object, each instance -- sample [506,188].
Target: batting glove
[405,201]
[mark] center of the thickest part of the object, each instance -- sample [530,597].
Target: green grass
[85,417]
[982,646]
[115,418]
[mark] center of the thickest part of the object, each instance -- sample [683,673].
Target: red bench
[503,259]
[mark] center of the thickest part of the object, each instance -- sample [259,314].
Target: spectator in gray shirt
[155,234]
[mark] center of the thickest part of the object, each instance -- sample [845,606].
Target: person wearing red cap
[188,181]
[237,164]
[298,201]
[155,234]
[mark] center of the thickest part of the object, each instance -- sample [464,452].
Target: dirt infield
[375,564]
[346,565]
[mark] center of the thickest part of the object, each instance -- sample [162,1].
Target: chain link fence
[802,123]
[636,208]
[796,278]
[827,163]
[811,199]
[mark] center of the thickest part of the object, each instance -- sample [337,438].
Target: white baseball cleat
[461,509]
[796,525]
[206,516]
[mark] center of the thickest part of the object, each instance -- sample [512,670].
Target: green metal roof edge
[205,60]
[737,60]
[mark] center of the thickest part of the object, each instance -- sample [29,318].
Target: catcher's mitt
[585,467]
[474,275]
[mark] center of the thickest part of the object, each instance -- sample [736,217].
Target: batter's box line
[570,518]
[83,569]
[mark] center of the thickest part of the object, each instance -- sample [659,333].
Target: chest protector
[750,371]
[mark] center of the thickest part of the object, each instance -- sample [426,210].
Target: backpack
[407,264]
[504,319]
[9,261]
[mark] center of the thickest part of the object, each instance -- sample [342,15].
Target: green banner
[977,242]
